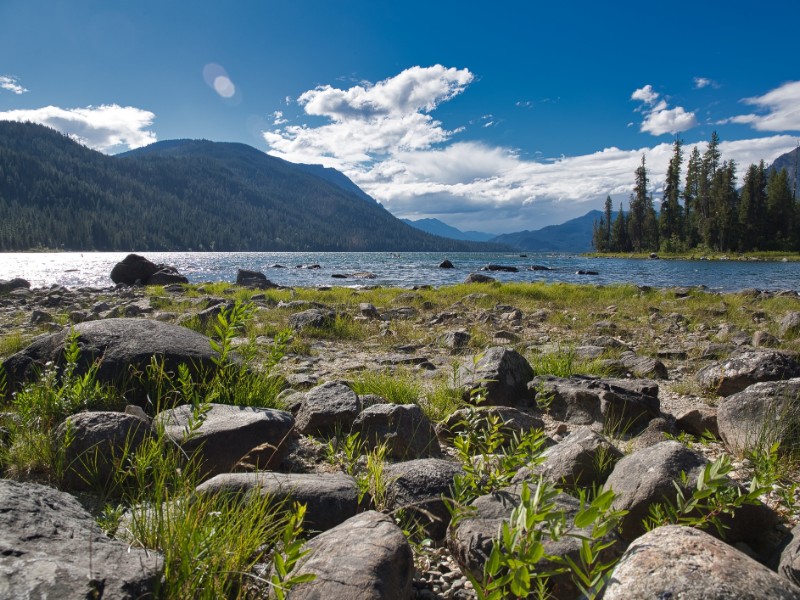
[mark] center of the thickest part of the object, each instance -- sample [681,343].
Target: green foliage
[565,362]
[287,555]
[396,388]
[714,495]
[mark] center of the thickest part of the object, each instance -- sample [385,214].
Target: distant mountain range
[186,195]
[791,162]
[574,235]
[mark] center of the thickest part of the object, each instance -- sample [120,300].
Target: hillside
[574,235]
[185,195]
[791,162]
[437,227]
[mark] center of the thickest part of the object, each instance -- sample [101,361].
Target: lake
[91,269]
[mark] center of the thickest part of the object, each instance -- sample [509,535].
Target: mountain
[437,227]
[185,195]
[791,162]
[574,235]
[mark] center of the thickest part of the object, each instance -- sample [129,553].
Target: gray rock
[366,557]
[746,368]
[50,547]
[253,279]
[686,563]
[646,477]
[227,433]
[368,310]
[404,428]
[418,487]
[644,366]
[99,440]
[132,269]
[471,539]
[120,346]
[698,421]
[582,459]
[790,324]
[166,275]
[789,562]
[328,409]
[455,340]
[313,317]
[502,373]
[764,339]
[446,264]
[478,278]
[330,498]
[760,415]
[9,285]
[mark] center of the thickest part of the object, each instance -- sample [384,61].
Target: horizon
[501,120]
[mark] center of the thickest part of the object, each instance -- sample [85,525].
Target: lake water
[73,269]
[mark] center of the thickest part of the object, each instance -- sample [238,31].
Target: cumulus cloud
[106,128]
[781,106]
[704,82]
[11,84]
[390,145]
[658,117]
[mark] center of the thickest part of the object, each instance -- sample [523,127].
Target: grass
[565,363]
[399,387]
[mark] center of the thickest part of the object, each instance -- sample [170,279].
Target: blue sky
[496,116]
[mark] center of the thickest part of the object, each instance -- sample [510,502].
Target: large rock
[50,547]
[644,366]
[9,285]
[418,487]
[582,459]
[253,279]
[760,415]
[789,561]
[790,324]
[472,538]
[133,269]
[746,368]
[686,563]
[166,275]
[98,443]
[407,431]
[621,405]
[121,346]
[503,374]
[366,557]
[330,498]
[478,278]
[328,409]
[646,477]
[313,317]
[227,433]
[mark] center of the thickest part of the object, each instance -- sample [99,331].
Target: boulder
[682,562]
[646,477]
[478,278]
[789,561]
[501,373]
[132,269]
[446,264]
[698,421]
[330,498]
[760,415]
[313,317]
[471,539]
[98,442]
[582,459]
[121,346]
[418,487]
[622,405]
[328,409]
[746,368]
[166,275]
[227,433]
[366,557]
[253,279]
[789,324]
[50,547]
[407,432]
[644,366]
[455,340]
[9,285]
[502,268]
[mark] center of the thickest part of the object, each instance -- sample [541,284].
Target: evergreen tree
[691,192]
[780,210]
[619,233]
[670,220]
[638,209]
[753,209]
[722,230]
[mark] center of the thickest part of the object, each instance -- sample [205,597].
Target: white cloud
[105,128]
[391,146]
[11,83]
[658,117]
[673,120]
[278,119]
[704,82]
[645,94]
[783,110]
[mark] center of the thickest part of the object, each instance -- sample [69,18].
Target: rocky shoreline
[691,375]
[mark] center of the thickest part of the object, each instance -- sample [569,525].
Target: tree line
[704,209]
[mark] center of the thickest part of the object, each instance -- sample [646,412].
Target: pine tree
[619,233]
[753,209]
[780,210]
[691,192]
[638,209]
[670,220]
[722,227]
